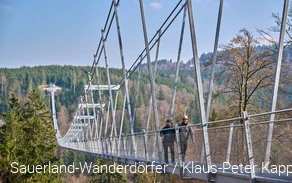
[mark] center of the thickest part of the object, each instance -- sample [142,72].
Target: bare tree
[243,70]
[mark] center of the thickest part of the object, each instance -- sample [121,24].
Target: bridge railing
[227,143]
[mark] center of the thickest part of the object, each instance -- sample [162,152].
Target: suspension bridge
[237,150]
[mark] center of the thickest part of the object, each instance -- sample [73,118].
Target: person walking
[185,131]
[168,133]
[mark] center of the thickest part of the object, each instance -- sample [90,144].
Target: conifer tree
[10,145]
[28,140]
[161,95]
[38,137]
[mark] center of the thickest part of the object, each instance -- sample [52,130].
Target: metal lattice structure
[97,127]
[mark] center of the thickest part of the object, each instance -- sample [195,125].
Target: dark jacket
[168,134]
[185,132]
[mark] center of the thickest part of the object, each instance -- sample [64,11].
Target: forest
[244,81]
[21,86]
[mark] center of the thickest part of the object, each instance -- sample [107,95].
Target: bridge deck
[221,173]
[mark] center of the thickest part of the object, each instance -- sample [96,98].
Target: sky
[67,32]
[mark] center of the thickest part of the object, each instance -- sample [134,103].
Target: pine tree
[28,140]
[38,139]
[10,146]
[214,115]
[161,95]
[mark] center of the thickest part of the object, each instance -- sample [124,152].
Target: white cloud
[156,5]
[5,7]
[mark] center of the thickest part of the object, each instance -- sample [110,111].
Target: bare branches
[277,27]
[243,69]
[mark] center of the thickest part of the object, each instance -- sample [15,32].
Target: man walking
[184,132]
[168,133]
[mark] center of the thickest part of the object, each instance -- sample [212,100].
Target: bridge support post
[276,81]
[102,146]
[96,134]
[229,143]
[249,146]
[124,147]
[211,83]
[154,74]
[137,92]
[200,88]
[151,79]
[94,113]
[121,126]
[178,151]
[177,63]
[113,110]
[110,140]
[100,102]
[88,129]
[84,131]
[125,78]
[90,124]
[105,129]
[145,144]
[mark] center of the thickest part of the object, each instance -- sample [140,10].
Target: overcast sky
[67,32]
